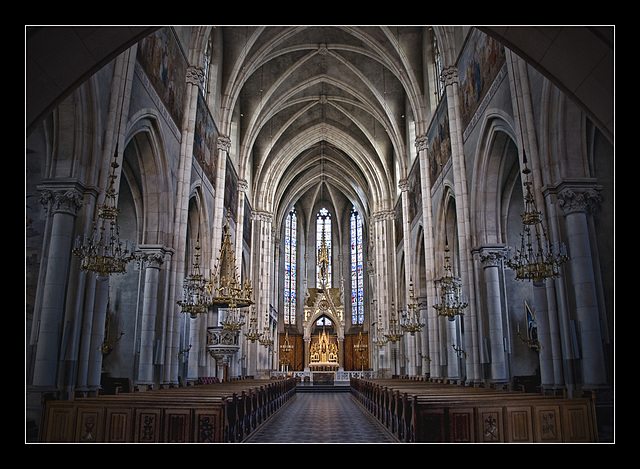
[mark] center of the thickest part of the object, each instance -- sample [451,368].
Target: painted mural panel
[478,65]
[205,138]
[164,63]
[439,142]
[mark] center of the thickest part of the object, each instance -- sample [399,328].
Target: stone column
[431,334]
[463,218]
[262,279]
[576,203]
[153,257]
[94,364]
[194,80]
[491,260]
[224,143]
[65,206]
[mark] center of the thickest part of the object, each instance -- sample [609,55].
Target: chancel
[319,233]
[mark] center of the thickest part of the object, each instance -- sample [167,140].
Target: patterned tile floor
[321,418]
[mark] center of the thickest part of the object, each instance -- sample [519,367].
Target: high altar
[324,353]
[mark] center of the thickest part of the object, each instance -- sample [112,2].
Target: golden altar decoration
[324,351]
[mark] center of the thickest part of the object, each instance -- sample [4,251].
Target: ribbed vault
[320,103]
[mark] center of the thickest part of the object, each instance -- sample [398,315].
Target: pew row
[418,411]
[223,412]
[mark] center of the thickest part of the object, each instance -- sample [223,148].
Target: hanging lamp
[537,258]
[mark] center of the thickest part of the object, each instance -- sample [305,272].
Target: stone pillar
[491,260]
[431,335]
[153,257]
[545,355]
[463,217]
[576,203]
[194,80]
[262,277]
[224,143]
[65,206]
[94,365]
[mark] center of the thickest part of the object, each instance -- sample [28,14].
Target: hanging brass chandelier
[226,289]
[394,333]
[411,323]
[536,259]
[196,291]
[266,338]
[380,339]
[252,332]
[104,253]
[450,303]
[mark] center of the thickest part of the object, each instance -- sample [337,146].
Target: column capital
[579,199]
[152,254]
[224,142]
[195,76]
[382,215]
[262,215]
[490,256]
[422,142]
[449,76]
[404,185]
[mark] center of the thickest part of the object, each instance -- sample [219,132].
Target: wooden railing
[222,412]
[420,411]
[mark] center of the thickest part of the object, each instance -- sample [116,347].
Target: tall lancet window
[357,269]
[290,265]
[323,225]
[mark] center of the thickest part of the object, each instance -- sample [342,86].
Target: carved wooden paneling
[430,426]
[177,425]
[547,425]
[461,425]
[59,425]
[576,423]
[208,426]
[490,428]
[118,425]
[519,424]
[89,425]
[148,429]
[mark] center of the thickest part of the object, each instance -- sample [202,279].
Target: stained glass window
[290,244]
[323,224]
[357,269]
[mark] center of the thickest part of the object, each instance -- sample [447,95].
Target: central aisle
[327,417]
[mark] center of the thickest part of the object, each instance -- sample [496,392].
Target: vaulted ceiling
[321,103]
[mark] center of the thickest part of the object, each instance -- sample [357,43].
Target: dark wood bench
[222,412]
[418,411]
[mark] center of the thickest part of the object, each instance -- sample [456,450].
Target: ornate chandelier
[394,333]
[450,303]
[536,259]
[380,340]
[226,289]
[196,291]
[266,339]
[252,333]
[411,323]
[103,252]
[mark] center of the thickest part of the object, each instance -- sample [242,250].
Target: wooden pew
[223,412]
[418,411]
